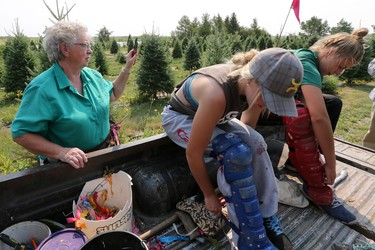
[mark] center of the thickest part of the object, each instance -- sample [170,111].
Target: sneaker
[335,210]
[338,211]
[276,234]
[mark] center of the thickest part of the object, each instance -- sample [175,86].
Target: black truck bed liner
[48,192]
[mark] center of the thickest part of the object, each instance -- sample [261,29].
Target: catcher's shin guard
[240,193]
[305,156]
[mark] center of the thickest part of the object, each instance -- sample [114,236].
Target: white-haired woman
[64,111]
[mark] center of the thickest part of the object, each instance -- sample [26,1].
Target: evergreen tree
[269,43]
[261,44]
[120,57]
[174,40]
[154,74]
[100,59]
[311,40]
[130,43]
[283,43]
[246,44]
[1,65]
[177,51]
[218,49]
[205,28]
[114,47]
[44,62]
[231,24]
[218,23]
[371,44]
[33,45]
[184,44]
[192,56]
[236,44]
[253,43]
[19,63]
[256,30]
[293,44]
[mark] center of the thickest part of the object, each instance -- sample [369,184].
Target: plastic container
[115,240]
[119,196]
[24,232]
[67,239]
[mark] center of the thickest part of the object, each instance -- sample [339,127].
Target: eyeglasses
[83,45]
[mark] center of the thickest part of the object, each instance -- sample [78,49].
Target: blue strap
[167,239]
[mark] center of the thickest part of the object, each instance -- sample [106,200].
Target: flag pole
[286,19]
[295,6]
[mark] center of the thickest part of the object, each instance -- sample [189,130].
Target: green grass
[355,115]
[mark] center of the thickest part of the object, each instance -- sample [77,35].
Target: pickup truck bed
[47,193]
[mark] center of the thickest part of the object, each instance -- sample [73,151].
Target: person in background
[201,117]
[311,133]
[64,111]
[369,138]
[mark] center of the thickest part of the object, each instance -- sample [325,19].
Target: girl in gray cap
[201,117]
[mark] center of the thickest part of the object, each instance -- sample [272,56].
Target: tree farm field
[142,119]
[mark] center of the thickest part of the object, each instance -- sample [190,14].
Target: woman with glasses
[64,111]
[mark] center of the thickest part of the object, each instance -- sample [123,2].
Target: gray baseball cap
[279,73]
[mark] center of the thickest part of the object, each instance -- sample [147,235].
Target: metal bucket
[115,240]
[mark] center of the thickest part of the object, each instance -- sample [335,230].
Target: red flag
[295,6]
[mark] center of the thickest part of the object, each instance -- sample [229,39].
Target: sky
[123,18]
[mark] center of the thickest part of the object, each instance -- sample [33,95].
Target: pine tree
[177,51]
[44,62]
[218,49]
[192,56]
[246,44]
[261,44]
[236,44]
[19,63]
[120,57]
[184,43]
[253,44]
[100,59]
[114,47]
[269,43]
[1,66]
[130,43]
[154,72]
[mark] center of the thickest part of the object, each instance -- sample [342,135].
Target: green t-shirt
[309,60]
[53,108]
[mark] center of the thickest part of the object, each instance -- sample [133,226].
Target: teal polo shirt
[309,60]
[53,108]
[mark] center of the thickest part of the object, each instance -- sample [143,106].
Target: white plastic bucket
[24,232]
[121,198]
